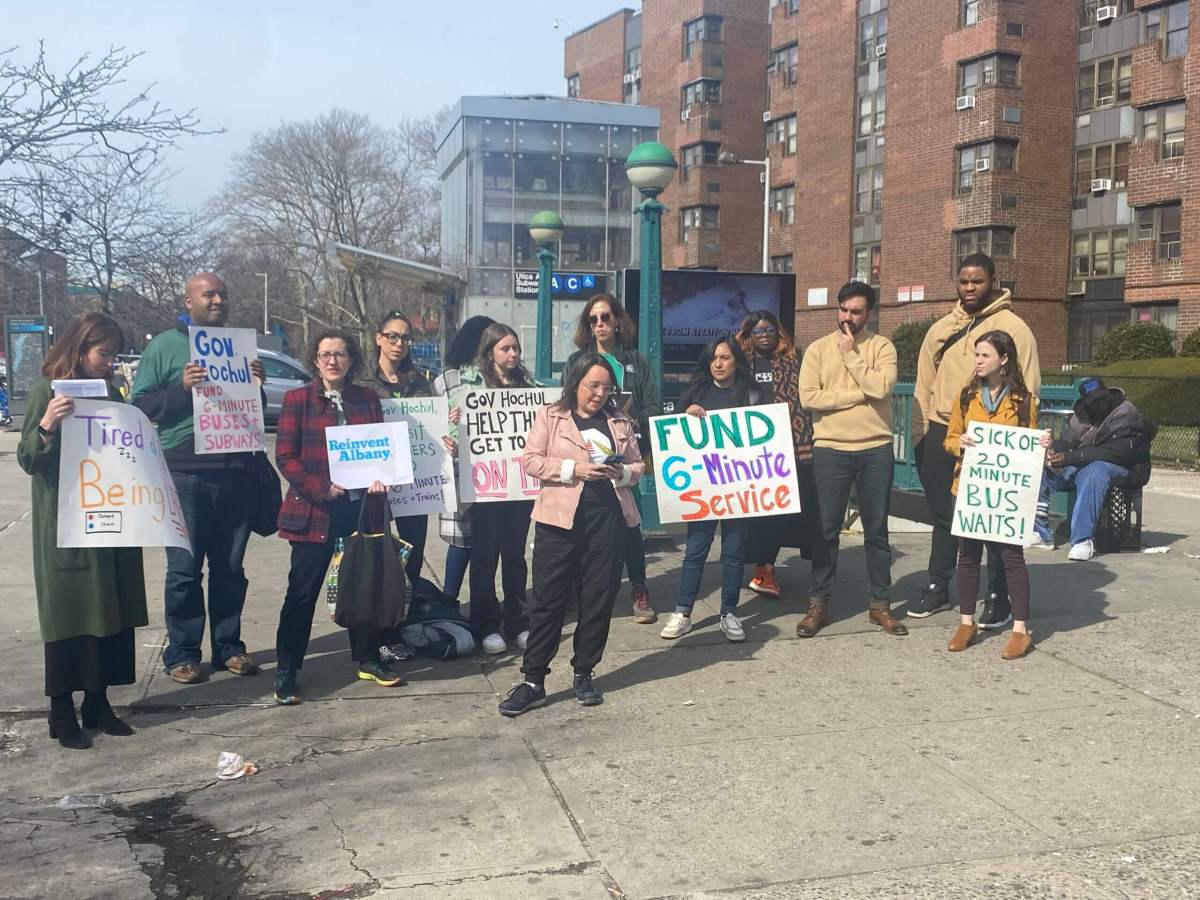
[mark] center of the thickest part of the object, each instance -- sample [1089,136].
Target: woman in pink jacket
[586,456]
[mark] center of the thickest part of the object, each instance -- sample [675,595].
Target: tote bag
[372,587]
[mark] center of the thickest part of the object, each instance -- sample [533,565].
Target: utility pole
[265,276]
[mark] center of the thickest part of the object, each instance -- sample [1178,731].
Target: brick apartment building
[1052,135]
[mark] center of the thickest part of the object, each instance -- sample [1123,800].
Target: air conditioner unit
[966,101]
[1075,288]
[1100,185]
[629,78]
[686,114]
[1106,13]
[637,74]
[881,49]
[983,165]
[767,116]
[1105,101]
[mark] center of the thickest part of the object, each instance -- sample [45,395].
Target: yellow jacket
[940,382]
[1007,413]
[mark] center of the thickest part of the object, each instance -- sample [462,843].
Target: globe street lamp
[545,228]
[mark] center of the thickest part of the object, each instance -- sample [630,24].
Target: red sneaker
[764,581]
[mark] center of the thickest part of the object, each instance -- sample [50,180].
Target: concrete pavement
[851,765]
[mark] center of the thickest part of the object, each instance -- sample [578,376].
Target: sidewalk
[851,765]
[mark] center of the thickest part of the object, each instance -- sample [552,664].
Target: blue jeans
[217,505]
[733,561]
[1091,484]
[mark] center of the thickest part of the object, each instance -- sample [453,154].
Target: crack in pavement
[372,882]
[575,868]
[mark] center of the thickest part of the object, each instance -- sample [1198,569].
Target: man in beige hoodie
[846,382]
[945,365]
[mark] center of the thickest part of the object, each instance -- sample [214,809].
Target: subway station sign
[563,285]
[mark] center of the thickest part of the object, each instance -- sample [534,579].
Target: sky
[248,66]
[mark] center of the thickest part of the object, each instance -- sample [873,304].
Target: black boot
[97,713]
[64,726]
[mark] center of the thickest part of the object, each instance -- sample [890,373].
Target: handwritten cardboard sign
[998,485]
[492,435]
[114,489]
[227,405]
[432,489]
[360,455]
[730,464]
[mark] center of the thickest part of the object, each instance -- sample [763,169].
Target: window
[1165,314]
[868,190]
[573,86]
[693,217]
[705,28]
[1161,223]
[706,90]
[868,261]
[793,7]
[1087,12]
[872,111]
[970,13]
[782,133]
[1014,29]
[785,59]
[781,263]
[995,242]
[1001,156]
[1099,254]
[1105,82]
[704,153]
[872,31]
[1000,68]
[633,74]
[783,201]
[1168,24]
[1102,161]
[1165,124]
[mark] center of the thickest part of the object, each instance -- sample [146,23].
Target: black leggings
[970,552]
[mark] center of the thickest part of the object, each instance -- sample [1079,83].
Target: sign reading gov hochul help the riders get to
[728,464]
[360,455]
[227,404]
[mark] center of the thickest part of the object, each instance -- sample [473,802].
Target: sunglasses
[395,337]
[600,317]
[765,331]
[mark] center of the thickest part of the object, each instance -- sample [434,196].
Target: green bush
[1145,340]
[908,339]
[1190,345]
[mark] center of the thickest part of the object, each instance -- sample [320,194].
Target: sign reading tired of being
[114,489]
[227,405]
[728,464]
[432,489]
[492,431]
[998,484]
[360,455]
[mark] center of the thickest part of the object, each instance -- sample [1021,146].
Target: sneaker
[764,582]
[378,672]
[241,664]
[643,612]
[677,626]
[523,640]
[186,673]
[523,697]
[934,599]
[397,652]
[1041,543]
[732,628]
[585,691]
[287,693]
[493,645]
[1084,550]
[996,613]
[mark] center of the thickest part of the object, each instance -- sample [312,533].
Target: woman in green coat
[89,600]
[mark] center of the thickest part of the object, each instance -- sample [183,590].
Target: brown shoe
[241,664]
[814,621]
[963,635]
[187,673]
[643,612]
[1019,643]
[889,623]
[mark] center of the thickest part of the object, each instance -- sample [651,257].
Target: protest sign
[227,405]
[86,388]
[432,489]
[998,484]
[492,435]
[730,464]
[360,455]
[114,489]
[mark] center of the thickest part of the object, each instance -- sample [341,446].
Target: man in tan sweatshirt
[846,383]
[945,365]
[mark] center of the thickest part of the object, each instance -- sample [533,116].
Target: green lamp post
[650,167]
[545,228]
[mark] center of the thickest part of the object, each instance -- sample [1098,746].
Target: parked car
[283,374]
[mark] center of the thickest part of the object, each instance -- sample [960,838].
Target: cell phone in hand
[613,459]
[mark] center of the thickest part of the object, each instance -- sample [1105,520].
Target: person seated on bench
[1106,442]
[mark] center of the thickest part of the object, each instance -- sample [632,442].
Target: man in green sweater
[846,381]
[216,490]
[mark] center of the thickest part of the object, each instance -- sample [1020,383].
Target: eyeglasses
[330,355]
[596,387]
[764,331]
[600,317]
[395,337]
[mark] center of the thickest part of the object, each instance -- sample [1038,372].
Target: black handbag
[372,587]
[268,495]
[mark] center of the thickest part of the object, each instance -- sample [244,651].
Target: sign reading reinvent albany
[360,455]
[731,463]
[998,485]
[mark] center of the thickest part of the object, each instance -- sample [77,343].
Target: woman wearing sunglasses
[605,328]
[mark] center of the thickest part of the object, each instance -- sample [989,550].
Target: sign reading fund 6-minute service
[492,434]
[360,455]
[729,464]
[227,405]
[998,485]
